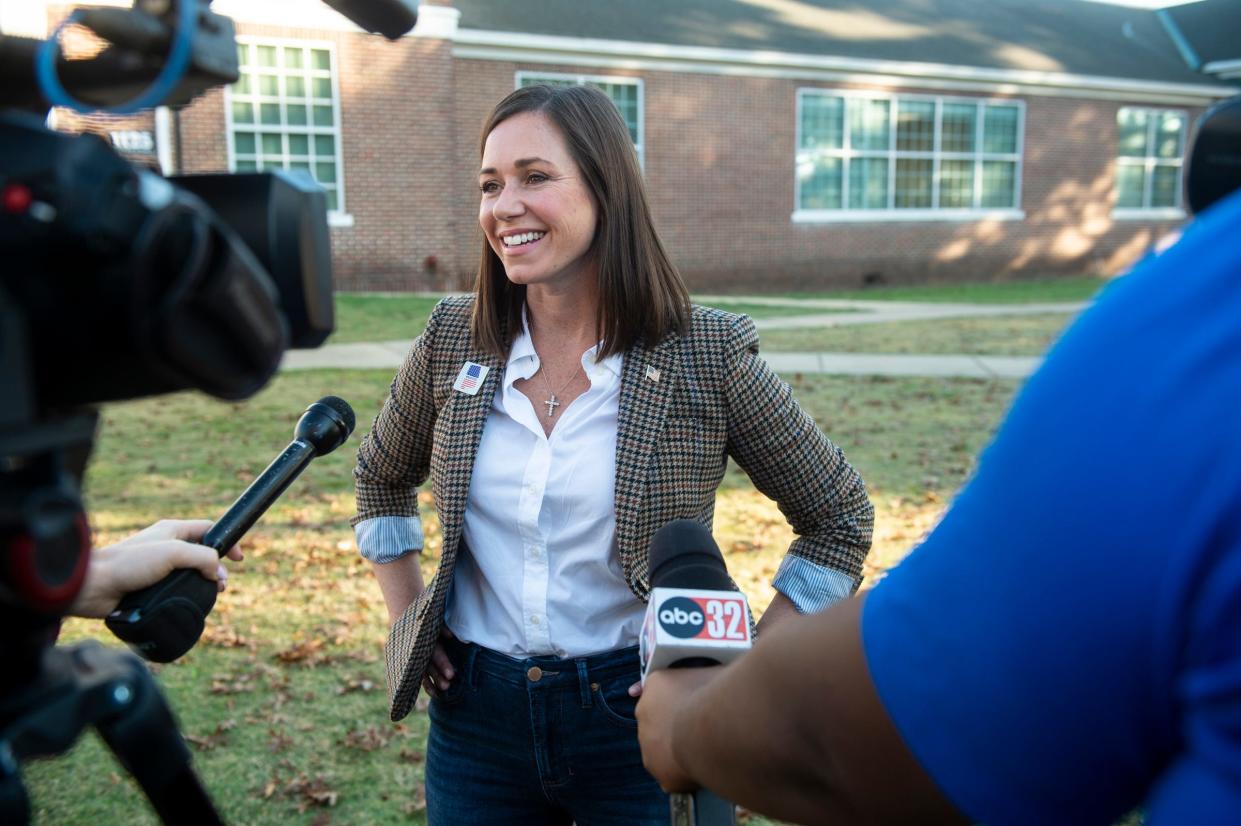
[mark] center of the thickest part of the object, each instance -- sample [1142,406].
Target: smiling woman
[565,412]
[536,212]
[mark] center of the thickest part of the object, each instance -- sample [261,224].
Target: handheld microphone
[163,621]
[695,618]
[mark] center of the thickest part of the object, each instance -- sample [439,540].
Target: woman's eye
[489,187]
[536,178]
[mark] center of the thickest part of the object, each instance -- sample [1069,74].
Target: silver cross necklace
[551,402]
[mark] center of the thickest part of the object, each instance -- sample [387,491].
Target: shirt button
[534,674]
[534,619]
[534,552]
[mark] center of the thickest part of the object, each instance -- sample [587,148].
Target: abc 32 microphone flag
[691,623]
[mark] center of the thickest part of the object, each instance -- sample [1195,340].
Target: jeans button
[534,674]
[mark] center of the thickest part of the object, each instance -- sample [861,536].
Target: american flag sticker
[470,379]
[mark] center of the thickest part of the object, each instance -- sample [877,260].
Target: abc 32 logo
[703,618]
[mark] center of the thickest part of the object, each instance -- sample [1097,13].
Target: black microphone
[695,618]
[163,621]
[391,18]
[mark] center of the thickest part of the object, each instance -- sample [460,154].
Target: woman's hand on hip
[440,671]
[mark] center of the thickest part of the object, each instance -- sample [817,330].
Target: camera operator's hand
[144,559]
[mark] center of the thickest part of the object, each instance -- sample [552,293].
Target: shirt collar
[522,356]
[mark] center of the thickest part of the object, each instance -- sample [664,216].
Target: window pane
[1166,186]
[273,162]
[1133,123]
[246,166]
[325,146]
[999,130]
[301,166]
[243,85]
[868,183]
[957,127]
[915,128]
[535,80]
[243,112]
[243,54]
[266,56]
[821,122]
[272,145]
[292,57]
[299,145]
[1130,183]
[331,199]
[999,184]
[323,116]
[321,87]
[1168,133]
[913,182]
[296,114]
[295,87]
[325,173]
[821,185]
[269,85]
[320,59]
[243,143]
[956,184]
[868,124]
[269,113]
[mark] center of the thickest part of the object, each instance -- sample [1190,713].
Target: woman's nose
[508,203]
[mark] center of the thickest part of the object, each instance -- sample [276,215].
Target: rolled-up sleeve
[385,539]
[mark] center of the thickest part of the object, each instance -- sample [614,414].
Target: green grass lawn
[392,317]
[1028,335]
[1024,291]
[364,317]
[283,700]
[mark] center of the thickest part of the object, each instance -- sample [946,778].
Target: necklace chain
[551,402]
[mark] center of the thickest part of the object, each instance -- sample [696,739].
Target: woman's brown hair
[641,295]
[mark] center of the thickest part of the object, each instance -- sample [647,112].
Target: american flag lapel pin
[470,379]
[652,373]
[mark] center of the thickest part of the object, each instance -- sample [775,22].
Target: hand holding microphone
[695,618]
[163,621]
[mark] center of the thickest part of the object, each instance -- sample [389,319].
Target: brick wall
[719,170]
[397,142]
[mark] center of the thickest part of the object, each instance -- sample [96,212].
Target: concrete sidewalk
[389,354]
[840,312]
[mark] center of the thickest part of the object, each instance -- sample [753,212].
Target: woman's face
[535,208]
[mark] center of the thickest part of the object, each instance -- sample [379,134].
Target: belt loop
[583,683]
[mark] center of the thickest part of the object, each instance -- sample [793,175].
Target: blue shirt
[1066,645]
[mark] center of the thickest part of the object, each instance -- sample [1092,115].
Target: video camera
[118,283]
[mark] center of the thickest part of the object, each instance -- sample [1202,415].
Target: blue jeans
[538,741]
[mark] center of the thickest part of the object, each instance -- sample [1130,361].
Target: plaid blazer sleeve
[790,460]
[395,456]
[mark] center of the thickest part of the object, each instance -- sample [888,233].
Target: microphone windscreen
[684,555]
[342,407]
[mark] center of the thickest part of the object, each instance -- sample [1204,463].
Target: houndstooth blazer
[686,405]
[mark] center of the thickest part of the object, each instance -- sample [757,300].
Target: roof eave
[494,45]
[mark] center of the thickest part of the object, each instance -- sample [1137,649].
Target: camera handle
[89,685]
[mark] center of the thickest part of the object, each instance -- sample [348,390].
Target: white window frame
[337,217]
[935,155]
[1148,163]
[582,80]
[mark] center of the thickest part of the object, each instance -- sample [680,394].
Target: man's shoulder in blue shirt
[1066,644]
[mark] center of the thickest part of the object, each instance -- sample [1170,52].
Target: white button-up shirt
[543,575]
